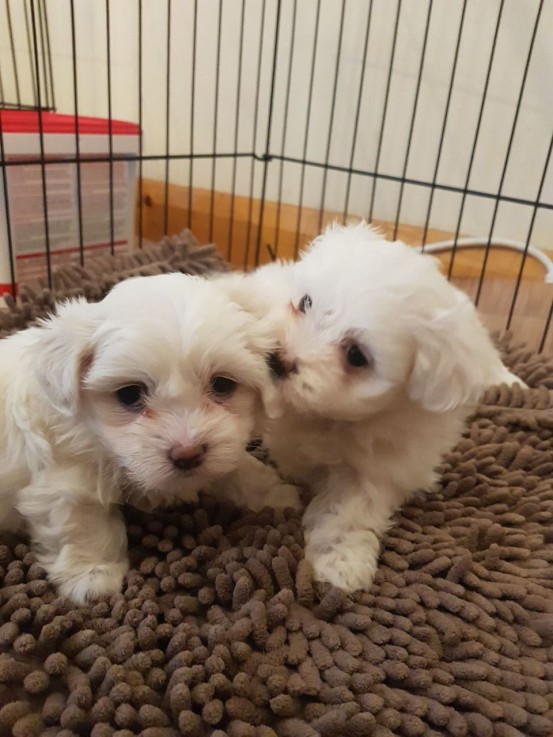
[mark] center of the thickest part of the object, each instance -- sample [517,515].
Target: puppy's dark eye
[132,397]
[355,357]
[305,303]
[222,386]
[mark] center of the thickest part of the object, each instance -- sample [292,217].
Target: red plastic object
[28,121]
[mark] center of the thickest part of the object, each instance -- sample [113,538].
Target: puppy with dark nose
[379,361]
[147,397]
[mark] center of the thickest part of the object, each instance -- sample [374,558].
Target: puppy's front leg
[255,485]
[81,542]
[343,526]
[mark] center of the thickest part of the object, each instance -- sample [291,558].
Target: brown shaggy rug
[220,631]
[93,281]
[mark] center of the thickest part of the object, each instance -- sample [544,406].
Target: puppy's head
[166,372]
[370,322]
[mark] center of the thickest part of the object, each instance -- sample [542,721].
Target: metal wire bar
[444,122]
[43,54]
[11,250]
[41,144]
[475,140]
[49,56]
[385,110]
[293,160]
[268,134]
[110,130]
[30,46]
[236,131]
[133,157]
[529,236]
[411,180]
[546,327]
[12,48]
[285,125]
[307,125]
[215,122]
[192,110]
[413,118]
[77,134]
[140,134]
[358,110]
[167,122]
[508,153]
[254,137]
[15,106]
[332,111]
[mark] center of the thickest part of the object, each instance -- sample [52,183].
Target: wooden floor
[233,223]
[532,307]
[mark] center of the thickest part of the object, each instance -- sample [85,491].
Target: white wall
[530,143]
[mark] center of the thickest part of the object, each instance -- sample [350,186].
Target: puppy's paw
[104,579]
[283,496]
[423,495]
[433,485]
[348,568]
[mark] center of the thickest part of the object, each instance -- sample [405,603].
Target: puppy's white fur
[72,452]
[364,438]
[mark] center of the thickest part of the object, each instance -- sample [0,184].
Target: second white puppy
[149,395]
[381,361]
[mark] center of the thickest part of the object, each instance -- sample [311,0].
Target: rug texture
[220,631]
[181,252]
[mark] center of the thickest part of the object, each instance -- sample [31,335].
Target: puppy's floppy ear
[64,351]
[263,296]
[270,400]
[261,343]
[455,359]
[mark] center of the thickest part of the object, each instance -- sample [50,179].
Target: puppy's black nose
[186,458]
[280,366]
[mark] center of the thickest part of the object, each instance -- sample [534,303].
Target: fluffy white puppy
[149,395]
[380,362]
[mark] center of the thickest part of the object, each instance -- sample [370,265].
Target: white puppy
[149,395]
[380,362]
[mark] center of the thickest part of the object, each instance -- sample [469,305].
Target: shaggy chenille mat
[220,631]
[177,253]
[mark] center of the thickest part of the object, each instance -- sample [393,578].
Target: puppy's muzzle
[187,458]
[280,366]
